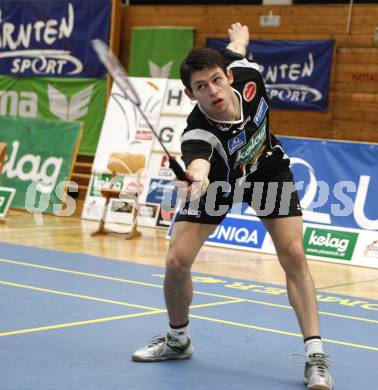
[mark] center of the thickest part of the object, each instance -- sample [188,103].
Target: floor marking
[64,270]
[349,284]
[155,311]
[122,303]
[216,304]
[78,323]
[270,330]
[42,228]
[77,295]
[96,276]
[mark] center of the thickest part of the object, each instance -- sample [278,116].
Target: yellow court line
[68,271]
[74,295]
[156,311]
[215,304]
[78,323]
[270,330]
[77,295]
[194,292]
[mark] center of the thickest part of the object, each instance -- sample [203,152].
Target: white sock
[313,346]
[180,334]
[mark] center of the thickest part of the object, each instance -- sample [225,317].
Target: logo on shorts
[237,142]
[192,212]
[249,91]
[261,111]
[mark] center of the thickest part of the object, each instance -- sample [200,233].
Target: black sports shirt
[236,149]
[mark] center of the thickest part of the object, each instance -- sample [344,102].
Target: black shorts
[271,196]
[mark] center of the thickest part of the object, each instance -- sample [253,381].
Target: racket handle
[179,172]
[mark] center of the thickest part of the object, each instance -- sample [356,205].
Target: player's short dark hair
[199,59]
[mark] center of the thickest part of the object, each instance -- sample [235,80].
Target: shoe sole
[160,359]
[318,387]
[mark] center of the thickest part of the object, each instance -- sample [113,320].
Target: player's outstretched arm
[239,38]
[198,172]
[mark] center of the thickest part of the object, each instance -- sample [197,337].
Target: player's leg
[187,239]
[287,237]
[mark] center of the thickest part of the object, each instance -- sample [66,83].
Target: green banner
[158,51]
[39,160]
[6,197]
[63,99]
[335,244]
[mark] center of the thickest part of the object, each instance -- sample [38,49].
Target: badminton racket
[120,77]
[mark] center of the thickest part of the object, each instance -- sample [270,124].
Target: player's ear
[230,76]
[189,94]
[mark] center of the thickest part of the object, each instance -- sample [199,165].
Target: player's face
[212,89]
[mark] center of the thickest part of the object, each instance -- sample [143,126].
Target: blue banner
[52,38]
[336,181]
[239,233]
[296,73]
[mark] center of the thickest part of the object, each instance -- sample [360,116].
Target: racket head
[116,70]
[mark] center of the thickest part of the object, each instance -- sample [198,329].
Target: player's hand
[239,34]
[197,187]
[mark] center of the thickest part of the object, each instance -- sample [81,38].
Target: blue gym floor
[71,321]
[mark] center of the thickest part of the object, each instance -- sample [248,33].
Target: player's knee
[177,265]
[292,258]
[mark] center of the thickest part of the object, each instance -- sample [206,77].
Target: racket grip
[179,172]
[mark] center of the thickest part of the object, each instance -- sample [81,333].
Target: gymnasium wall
[353,100]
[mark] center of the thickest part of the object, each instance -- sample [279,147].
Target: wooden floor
[71,234]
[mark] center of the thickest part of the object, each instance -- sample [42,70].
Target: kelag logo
[330,243]
[239,232]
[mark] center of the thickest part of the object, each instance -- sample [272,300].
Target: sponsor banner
[170,130]
[52,38]
[6,197]
[296,73]
[238,233]
[121,212]
[94,202]
[162,191]
[123,129]
[176,102]
[39,160]
[165,217]
[147,57]
[332,243]
[58,99]
[159,166]
[366,251]
[338,189]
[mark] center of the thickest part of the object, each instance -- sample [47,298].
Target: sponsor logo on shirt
[236,143]
[241,127]
[249,91]
[261,111]
[249,151]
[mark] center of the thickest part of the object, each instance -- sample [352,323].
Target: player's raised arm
[239,38]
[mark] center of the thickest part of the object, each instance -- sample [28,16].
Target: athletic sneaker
[163,348]
[317,376]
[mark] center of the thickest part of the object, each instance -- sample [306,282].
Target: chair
[3,149]
[123,164]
